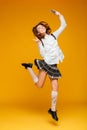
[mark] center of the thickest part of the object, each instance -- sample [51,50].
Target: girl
[51,54]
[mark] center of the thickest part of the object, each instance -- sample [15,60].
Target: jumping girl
[51,56]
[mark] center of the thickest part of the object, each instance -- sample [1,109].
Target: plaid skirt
[52,70]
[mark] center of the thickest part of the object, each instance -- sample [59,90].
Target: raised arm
[62,23]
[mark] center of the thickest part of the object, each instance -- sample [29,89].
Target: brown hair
[48,29]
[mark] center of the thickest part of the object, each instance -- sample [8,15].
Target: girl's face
[41,29]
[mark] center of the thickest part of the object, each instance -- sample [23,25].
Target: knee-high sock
[54,95]
[33,75]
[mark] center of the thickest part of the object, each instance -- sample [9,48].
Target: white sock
[33,75]
[54,95]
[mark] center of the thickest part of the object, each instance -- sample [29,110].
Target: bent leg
[41,78]
[38,80]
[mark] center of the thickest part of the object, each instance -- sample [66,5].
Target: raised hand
[55,12]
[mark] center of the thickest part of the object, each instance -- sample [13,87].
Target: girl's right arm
[40,46]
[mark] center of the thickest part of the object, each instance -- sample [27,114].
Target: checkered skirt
[52,70]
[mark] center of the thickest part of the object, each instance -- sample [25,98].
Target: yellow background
[17,17]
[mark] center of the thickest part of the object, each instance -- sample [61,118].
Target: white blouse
[51,51]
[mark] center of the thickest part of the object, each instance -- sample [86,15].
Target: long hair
[48,29]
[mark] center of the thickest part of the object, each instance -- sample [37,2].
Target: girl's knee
[39,85]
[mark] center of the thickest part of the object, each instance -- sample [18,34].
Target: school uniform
[51,52]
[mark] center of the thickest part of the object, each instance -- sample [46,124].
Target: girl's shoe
[26,65]
[53,114]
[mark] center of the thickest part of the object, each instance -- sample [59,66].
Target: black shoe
[26,65]
[53,114]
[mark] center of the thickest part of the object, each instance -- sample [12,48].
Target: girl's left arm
[62,23]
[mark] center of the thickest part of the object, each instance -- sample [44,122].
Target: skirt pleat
[52,70]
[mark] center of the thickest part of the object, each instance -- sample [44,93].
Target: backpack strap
[53,36]
[42,42]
